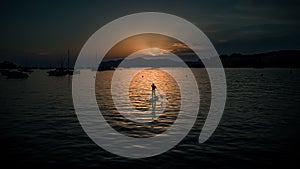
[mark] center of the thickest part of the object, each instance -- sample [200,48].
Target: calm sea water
[259,129]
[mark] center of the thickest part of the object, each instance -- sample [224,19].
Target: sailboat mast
[68,59]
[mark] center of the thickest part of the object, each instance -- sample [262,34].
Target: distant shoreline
[274,59]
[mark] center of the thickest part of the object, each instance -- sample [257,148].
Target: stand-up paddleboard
[153,99]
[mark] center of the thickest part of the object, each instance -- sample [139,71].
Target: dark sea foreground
[259,128]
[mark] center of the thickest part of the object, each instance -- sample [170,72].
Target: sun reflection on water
[139,93]
[140,88]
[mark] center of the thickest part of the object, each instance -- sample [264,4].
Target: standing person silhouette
[153,90]
[153,102]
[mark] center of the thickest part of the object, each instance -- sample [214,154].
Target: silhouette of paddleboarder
[153,90]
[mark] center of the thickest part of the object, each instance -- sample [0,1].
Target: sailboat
[58,71]
[69,72]
[62,71]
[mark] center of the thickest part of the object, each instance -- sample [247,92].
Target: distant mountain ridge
[275,59]
[280,59]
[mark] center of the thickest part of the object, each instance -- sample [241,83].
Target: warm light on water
[140,89]
[155,118]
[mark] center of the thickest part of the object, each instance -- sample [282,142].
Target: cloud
[153,52]
[179,45]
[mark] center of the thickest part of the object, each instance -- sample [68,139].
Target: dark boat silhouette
[11,71]
[76,72]
[16,75]
[25,69]
[62,71]
[57,72]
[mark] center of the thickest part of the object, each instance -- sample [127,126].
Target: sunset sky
[38,33]
[153,41]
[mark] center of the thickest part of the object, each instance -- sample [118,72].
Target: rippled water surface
[259,129]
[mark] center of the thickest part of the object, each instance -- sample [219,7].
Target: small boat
[25,69]
[16,75]
[57,72]
[62,71]
[73,72]
[76,72]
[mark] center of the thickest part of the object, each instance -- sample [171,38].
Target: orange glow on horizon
[145,41]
